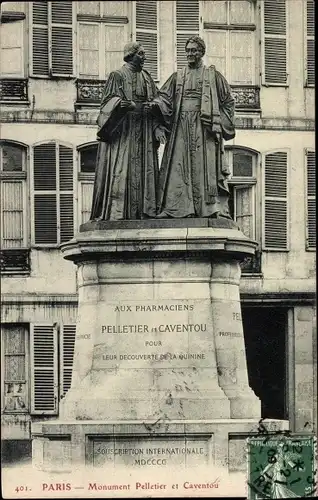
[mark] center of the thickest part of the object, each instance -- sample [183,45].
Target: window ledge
[12,16]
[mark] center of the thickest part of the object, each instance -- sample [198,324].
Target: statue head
[134,53]
[195,50]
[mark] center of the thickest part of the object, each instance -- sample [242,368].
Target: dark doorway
[265,331]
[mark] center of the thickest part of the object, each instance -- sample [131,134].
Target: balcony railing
[252,265]
[246,97]
[89,92]
[15,261]
[13,90]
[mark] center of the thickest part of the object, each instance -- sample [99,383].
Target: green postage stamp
[281,466]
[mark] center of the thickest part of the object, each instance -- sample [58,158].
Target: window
[229,33]
[13,195]
[52,38]
[11,46]
[311,200]
[53,194]
[103,30]
[242,186]
[87,159]
[310,42]
[14,338]
[275,42]
[275,207]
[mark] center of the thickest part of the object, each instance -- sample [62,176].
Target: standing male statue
[127,169]
[193,174]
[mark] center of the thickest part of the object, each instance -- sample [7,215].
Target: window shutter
[62,38]
[310,29]
[311,199]
[275,42]
[40,38]
[241,63]
[88,50]
[11,49]
[11,214]
[67,355]
[86,198]
[44,375]
[275,201]
[66,193]
[147,33]
[53,193]
[188,23]
[45,196]
[244,209]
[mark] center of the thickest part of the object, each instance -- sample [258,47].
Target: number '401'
[21,488]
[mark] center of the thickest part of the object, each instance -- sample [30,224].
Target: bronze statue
[199,113]
[127,169]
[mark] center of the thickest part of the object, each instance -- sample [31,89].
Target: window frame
[83,177]
[26,369]
[23,178]
[236,28]
[57,192]
[253,182]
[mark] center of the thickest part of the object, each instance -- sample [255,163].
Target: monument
[160,376]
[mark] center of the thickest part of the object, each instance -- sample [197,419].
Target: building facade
[55,57]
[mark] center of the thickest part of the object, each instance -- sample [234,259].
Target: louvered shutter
[311,199]
[66,193]
[147,33]
[11,214]
[44,374]
[275,201]
[11,49]
[275,42]
[40,38]
[67,356]
[187,19]
[62,38]
[310,29]
[45,195]
[53,194]
[86,200]
[244,209]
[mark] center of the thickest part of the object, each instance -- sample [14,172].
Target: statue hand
[150,106]
[160,135]
[127,104]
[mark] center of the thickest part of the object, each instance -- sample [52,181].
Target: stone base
[159,331]
[146,446]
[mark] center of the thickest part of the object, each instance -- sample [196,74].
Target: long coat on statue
[193,174]
[127,170]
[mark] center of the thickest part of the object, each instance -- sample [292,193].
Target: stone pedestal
[159,335]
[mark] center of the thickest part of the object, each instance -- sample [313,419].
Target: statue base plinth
[202,449]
